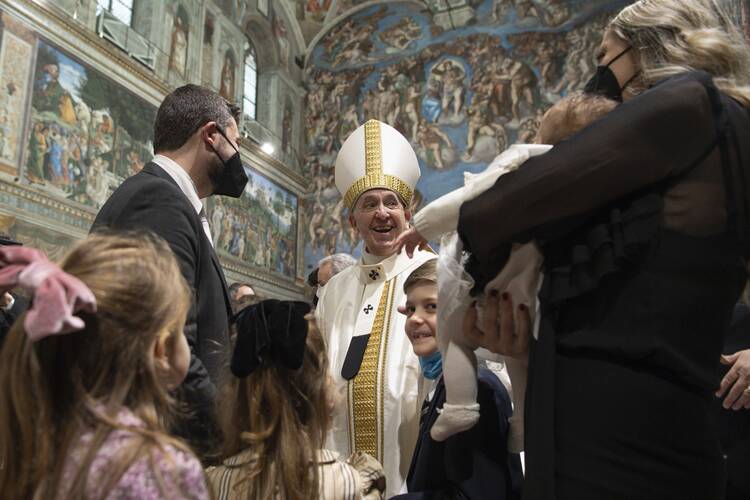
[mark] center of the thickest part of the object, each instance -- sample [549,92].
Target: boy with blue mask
[474,464]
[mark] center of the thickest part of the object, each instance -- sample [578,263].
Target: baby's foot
[454,419]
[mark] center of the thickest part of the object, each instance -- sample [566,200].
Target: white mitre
[376,156]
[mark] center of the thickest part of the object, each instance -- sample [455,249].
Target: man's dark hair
[186,110]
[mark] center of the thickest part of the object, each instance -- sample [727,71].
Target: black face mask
[232,179]
[604,82]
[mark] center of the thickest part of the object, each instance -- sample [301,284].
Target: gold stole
[365,393]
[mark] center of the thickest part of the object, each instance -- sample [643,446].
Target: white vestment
[378,410]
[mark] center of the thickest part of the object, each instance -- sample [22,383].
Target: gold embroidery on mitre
[367,404]
[373,148]
[374,177]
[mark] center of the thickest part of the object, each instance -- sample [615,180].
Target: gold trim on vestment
[374,177]
[367,402]
[384,370]
[350,412]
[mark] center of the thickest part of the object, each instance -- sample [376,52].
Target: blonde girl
[85,374]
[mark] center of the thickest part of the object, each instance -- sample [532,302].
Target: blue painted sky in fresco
[72,73]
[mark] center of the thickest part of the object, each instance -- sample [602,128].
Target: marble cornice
[289,284]
[37,205]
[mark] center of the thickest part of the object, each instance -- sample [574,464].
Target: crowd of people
[586,308]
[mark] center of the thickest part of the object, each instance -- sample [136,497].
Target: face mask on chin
[432,365]
[231,179]
[604,82]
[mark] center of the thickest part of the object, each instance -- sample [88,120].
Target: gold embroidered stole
[365,392]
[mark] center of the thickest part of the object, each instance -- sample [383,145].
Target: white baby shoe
[454,419]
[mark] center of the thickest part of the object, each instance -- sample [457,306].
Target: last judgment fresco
[460,95]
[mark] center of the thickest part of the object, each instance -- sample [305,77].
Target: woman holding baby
[643,223]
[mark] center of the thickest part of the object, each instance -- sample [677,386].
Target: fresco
[86,133]
[74,135]
[228,71]
[460,96]
[178,43]
[313,10]
[233,9]
[280,34]
[52,243]
[15,63]
[16,51]
[207,50]
[259,228]
[313,15]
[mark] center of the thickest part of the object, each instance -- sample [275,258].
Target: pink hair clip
[57,295]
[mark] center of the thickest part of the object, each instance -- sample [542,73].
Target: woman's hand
[737,381]
[410,239]
[500,332]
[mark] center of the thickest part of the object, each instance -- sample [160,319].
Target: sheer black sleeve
[656,136]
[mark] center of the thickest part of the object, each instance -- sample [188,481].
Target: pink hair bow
[57,294]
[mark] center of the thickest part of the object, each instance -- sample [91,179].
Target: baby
[520,278]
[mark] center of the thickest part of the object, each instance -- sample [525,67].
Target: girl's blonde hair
[676,36]
[54,389]
[283,416]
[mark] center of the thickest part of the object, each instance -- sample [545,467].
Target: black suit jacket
[474,464]
[151,200]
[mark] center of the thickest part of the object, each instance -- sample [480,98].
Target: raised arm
[653,137]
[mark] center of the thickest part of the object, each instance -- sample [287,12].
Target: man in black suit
[196,156]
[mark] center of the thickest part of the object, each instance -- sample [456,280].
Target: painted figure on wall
[316,10]
[279,30]
[401,35]
[286,126]
[179,43]
[207,55]
[226,86]
[52,96]
[447,79]
[234,9]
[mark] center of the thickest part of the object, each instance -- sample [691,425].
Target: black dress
[642,219]
[734,426]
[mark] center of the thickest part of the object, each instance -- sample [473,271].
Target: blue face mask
[432,365]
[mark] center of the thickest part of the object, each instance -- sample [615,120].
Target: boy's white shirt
[441,215]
